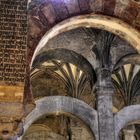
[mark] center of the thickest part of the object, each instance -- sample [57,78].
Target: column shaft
[104,105]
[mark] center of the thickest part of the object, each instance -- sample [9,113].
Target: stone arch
[128,59]
[117,27]
[68,56]
[76,40]
[126,115]
[56,104]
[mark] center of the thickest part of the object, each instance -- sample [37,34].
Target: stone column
[129,133]
[104,105]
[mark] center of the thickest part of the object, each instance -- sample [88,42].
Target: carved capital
[104,84]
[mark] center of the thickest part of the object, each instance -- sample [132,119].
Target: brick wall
[13,43]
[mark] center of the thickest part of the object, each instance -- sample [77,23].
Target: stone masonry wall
[13,46]
[13,51]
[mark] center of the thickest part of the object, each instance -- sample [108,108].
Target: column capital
[104,84]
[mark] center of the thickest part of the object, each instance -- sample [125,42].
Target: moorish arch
[62,104]
[107,23]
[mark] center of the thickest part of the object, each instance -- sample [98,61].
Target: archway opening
[63,72]
[58,126]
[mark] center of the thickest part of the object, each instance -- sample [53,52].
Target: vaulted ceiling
[70,59]
[58,70]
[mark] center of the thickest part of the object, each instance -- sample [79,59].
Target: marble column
[104,105]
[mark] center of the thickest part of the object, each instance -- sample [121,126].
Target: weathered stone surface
[109,6]
[104,104]
[60,104]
